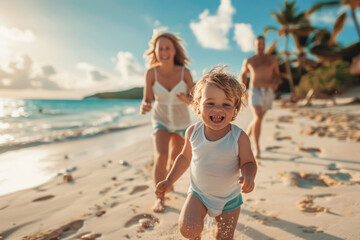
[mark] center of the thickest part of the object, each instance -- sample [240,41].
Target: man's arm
[244,72]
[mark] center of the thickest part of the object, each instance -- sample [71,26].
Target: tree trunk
[288,70]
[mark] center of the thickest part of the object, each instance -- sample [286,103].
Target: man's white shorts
[261,97]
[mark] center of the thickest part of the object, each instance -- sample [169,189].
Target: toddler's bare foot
[158,205]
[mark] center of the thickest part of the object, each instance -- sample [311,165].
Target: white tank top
[214,168]
[168,109]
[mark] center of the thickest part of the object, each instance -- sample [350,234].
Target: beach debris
[90,236]
[100,212]
[114,178]
[332,166]
[43,198]
[146,222]
[68,178]
[69,170]
[135,219]
[109,161]
[123,163]
[66,156]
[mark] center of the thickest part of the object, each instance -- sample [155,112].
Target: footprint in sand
[135,220]
[286,119]
[311,180]
[139,189]
[270,148]
[307,204]
[309,149]
[67,229]
[105,190]
[2,208]
[280,138]
[43,198]
[311,229]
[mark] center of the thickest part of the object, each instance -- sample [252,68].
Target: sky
[67,49]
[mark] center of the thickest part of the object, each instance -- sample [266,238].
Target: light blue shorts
[261,97]
[157,126]
[229,206]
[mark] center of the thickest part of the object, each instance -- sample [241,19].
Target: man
[264,80]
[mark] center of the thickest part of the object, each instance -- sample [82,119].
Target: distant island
[133,93]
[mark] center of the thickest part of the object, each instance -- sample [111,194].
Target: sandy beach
[307,186]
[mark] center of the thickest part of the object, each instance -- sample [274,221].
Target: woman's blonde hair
[232,88]
[180,57]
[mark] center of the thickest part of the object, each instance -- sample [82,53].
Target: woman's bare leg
[161,153]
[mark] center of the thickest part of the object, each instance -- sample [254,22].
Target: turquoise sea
[32,122]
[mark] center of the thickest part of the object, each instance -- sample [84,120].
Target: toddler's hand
[184,98]
[162,187]
[247,184]
[145,107]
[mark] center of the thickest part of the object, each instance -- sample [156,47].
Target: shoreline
[42,162]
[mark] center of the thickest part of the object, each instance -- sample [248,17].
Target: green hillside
[133,93]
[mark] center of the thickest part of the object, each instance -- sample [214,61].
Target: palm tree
[352,4]
[323,44]
[298,27]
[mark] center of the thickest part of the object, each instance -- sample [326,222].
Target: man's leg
[255,127]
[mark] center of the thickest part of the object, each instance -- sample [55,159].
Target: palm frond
[338,27]
[272,48]
[267,29]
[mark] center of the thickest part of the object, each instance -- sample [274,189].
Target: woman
[169,82]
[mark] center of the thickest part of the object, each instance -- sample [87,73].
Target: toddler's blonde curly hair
[232,88]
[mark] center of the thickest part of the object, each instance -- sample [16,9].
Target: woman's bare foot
[257,154]
[159,205]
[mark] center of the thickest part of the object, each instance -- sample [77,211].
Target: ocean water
[30,122]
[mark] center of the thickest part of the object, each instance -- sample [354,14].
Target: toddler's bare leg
[226,224]
[191,219]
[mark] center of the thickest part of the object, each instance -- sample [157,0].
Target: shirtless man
[264,80]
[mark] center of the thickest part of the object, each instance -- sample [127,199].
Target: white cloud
[131,72]
[212,30]
[151,22]
[22,73]
[15,34]
[326,17]
[244,36]
[329,16]
[94,74]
